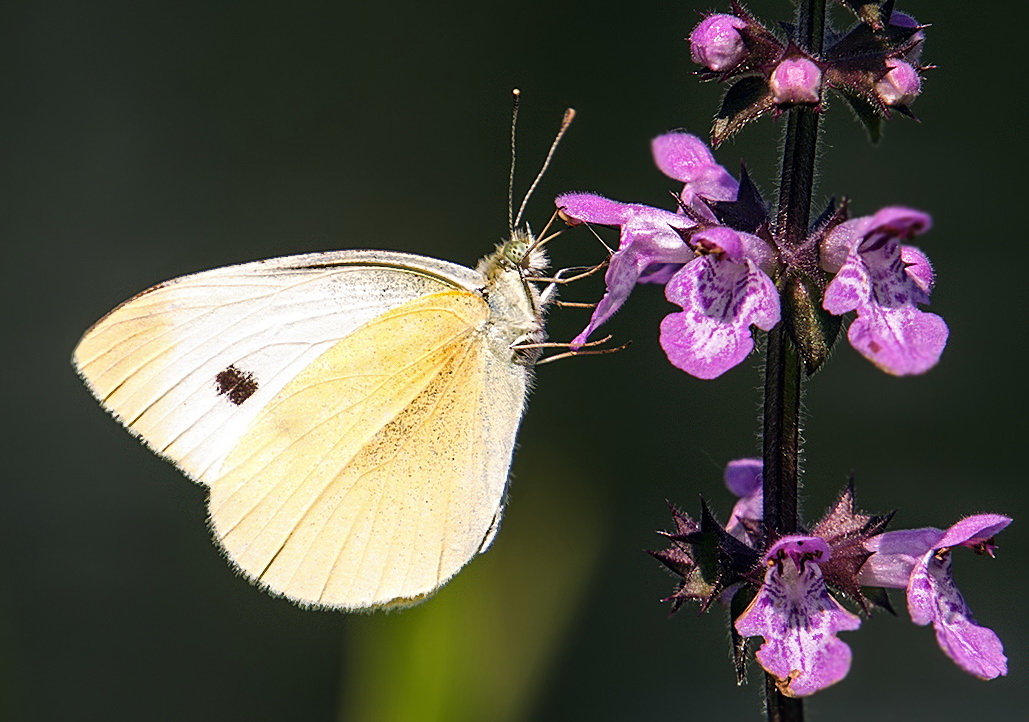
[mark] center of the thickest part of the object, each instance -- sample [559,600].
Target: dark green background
[148,140]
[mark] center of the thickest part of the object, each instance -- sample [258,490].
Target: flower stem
[783,372]
[781,437]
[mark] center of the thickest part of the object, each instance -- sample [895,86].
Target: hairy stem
[781,437]
[783,371]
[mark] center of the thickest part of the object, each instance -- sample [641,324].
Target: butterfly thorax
[516,310]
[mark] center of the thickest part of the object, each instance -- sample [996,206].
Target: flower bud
[716,42]
[917,39]
[901,85]
[796,80]
[902,20]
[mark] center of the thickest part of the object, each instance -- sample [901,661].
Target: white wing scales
[384,493]
[154,362]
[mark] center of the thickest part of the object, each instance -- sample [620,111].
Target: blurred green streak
[481,648]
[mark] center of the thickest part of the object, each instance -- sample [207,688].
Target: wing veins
[447,513]
[400,447]
[215,401]
[220,351]
[206,308]
[450,492]
[321,494]
[110,349]
[341,411]
[306,477]
[201,383]
[266,297]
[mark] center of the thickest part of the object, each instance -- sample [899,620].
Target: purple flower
[743,478]
[723,293]
[717,275]
[884,282]
[846,550]
[716,42]
[901,85]
[687,158]
[798,619]
[916,41]
[903,20]
[918,560]
[649,240]
[796,80]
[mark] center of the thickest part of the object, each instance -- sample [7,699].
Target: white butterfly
[353,413]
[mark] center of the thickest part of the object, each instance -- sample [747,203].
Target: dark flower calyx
[846,530]
[706,557]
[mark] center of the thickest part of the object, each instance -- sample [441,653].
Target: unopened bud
[716,42]
[796,80]
[902,20]
[901,85]
[917,39]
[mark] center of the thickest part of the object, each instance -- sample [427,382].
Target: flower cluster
[730,268]
[790,588]
[719,260]
[875,66]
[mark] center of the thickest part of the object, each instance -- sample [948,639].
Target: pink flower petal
[796,80]
[721,299]
[798,620]
[896,554]
[933,597]
[920,561]
[687,158]
[743,478]
[902,341]
[649,237]
[974,530]
[591,208]
[884,282]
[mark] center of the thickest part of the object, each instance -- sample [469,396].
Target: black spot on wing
[237,385]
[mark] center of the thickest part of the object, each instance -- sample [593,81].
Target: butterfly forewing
[189,364]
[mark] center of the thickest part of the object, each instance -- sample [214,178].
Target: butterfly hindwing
[376,473]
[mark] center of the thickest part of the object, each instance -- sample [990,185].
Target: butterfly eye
[514,253]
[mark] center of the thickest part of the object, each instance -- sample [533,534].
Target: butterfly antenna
[516,100]
[566,121]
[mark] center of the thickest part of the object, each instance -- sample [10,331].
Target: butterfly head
[520,253]
[515,303]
